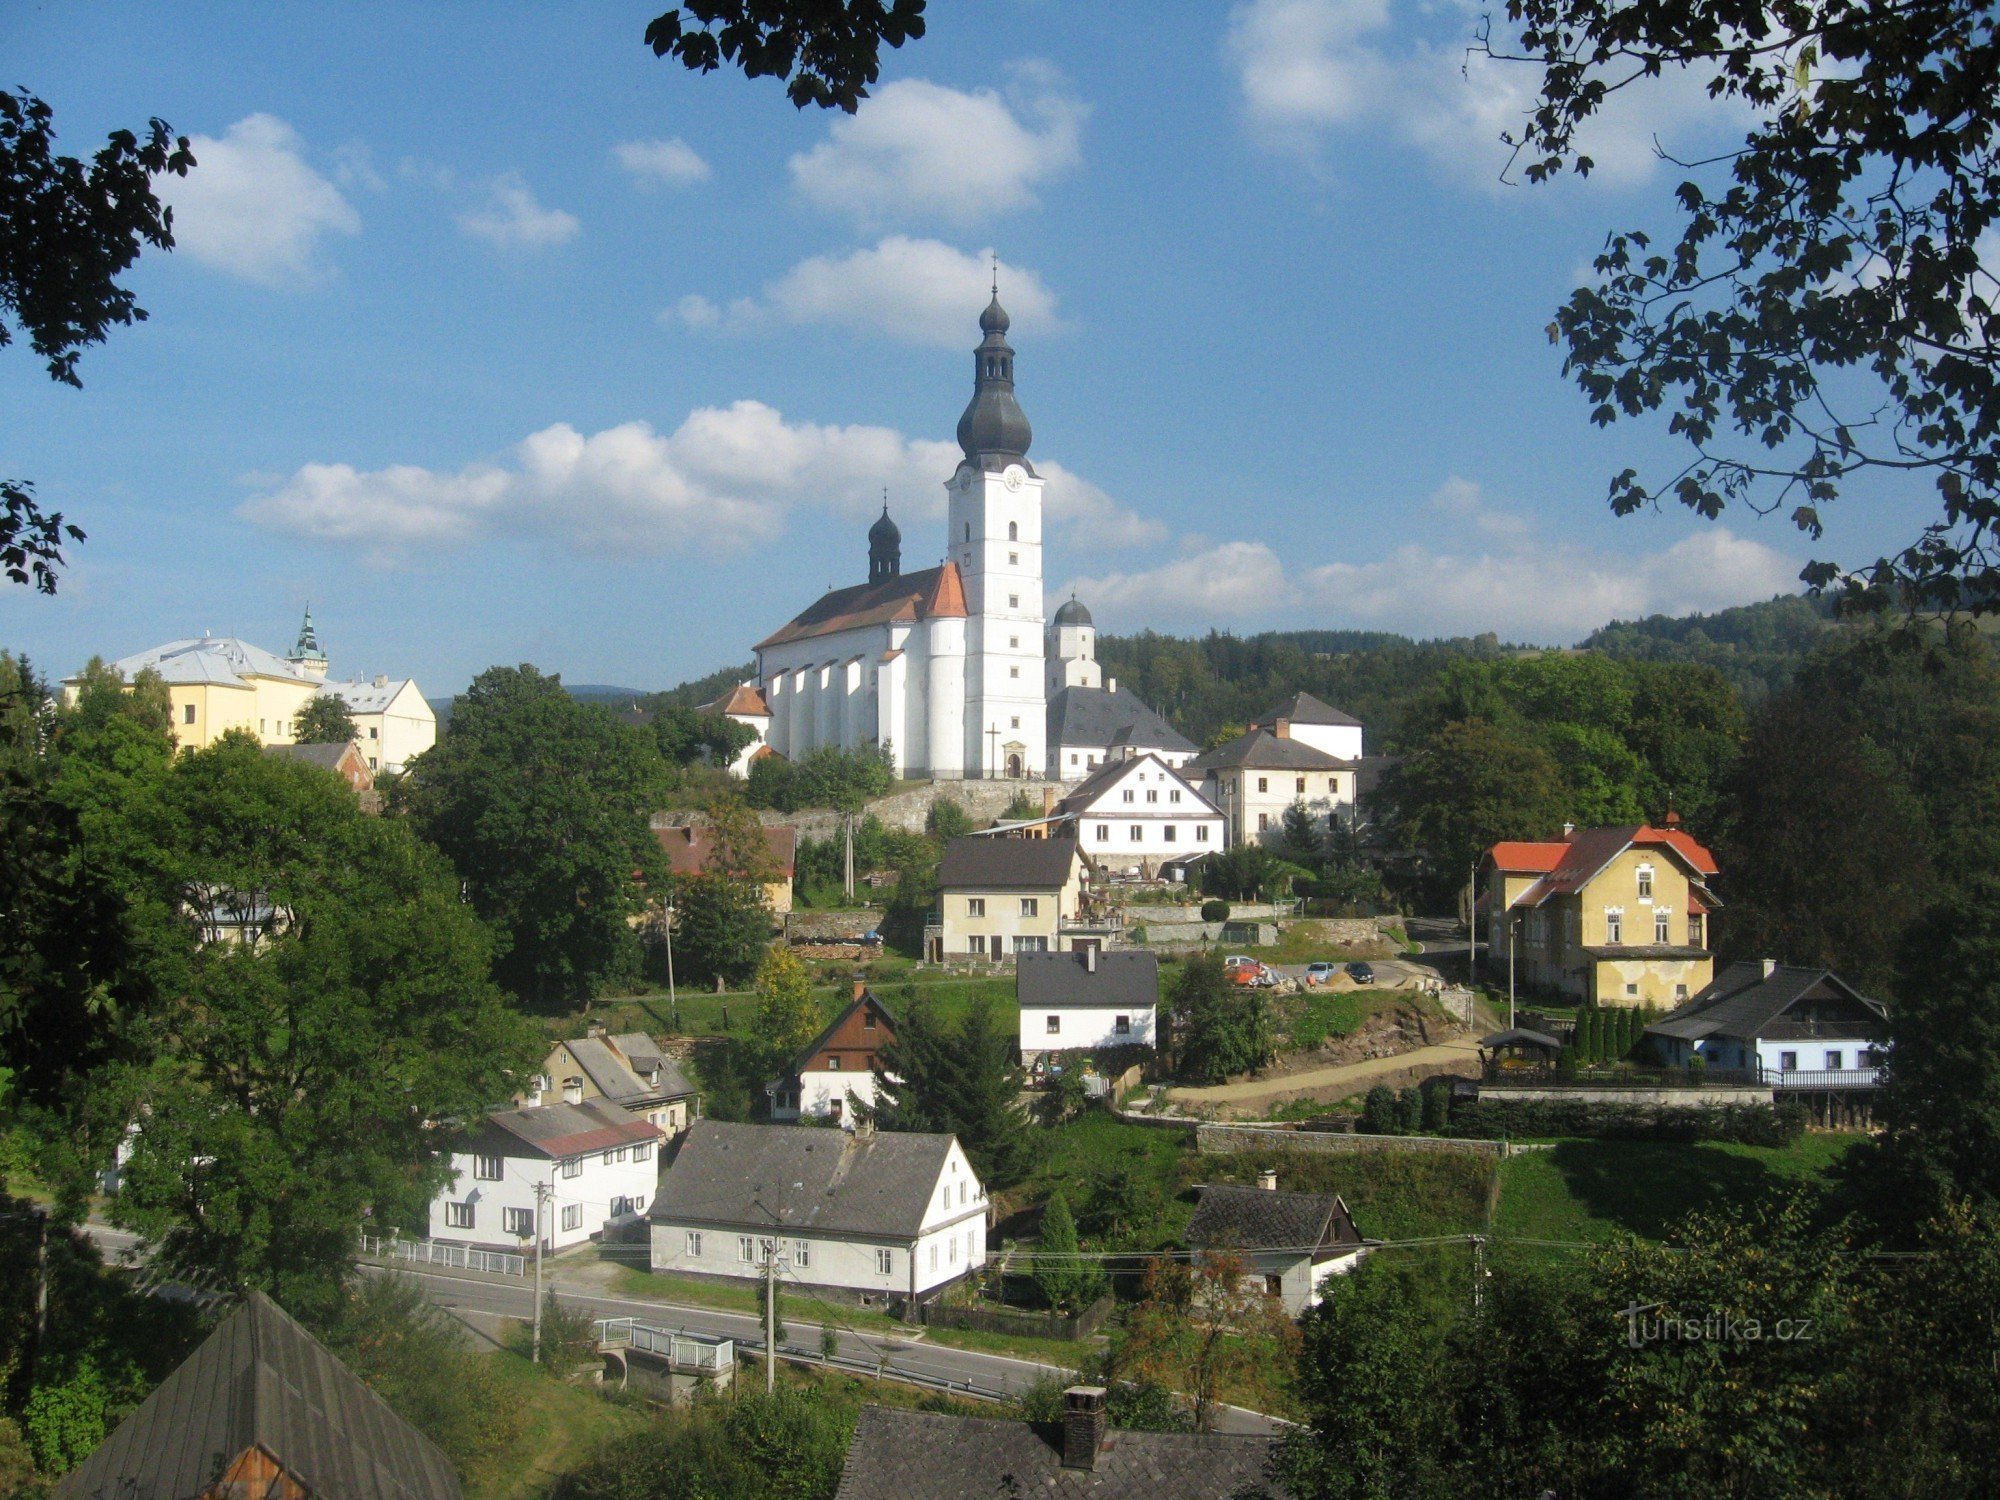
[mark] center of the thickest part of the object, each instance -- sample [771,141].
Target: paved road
[1346,1079]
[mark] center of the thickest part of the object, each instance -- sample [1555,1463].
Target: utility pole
[673,1000]
[41,1290]
[849,821]
[542,1190]
[770,1316]
[1472,926]
[1478,1274]
[1513,921]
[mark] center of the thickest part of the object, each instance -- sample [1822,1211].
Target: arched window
[1013,531]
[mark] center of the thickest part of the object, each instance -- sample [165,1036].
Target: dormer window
[572,1091]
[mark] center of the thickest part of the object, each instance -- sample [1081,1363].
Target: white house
[1137,811]
[1090,721]
[1799,1027]
[1087,1001]
[1259,775]
[1304,718]
[393,721]
[882,1216]
[836,1074]
[941,668]
[597,1162]
[627,1070]
[744,704]
[1292,1242]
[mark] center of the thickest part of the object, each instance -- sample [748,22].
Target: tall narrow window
[1661,933]
[1013,531]
[1614,927]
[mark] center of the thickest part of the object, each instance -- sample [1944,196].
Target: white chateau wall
[994,530]
[1341,741]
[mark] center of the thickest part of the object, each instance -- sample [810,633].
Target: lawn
[704,1013]
[560,1426]
[1602,1190]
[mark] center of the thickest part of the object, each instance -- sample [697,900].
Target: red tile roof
[1579,858]
[947,598]
[689,849]
[745,698]
[1525,857]
[934,593]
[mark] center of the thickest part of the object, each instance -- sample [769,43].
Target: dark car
[1361,973]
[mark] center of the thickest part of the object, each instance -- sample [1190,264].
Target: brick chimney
[1083,1426]
[1282,728]
[860,984]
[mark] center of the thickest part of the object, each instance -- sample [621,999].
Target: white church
[944,667]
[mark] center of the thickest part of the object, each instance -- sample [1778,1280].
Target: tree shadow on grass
[1652,1188]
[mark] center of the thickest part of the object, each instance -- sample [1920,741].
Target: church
[943,668]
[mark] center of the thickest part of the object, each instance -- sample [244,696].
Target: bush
[1215,911]
[1380,1112]
[1742,1124]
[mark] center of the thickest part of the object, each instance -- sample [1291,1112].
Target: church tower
[995,537]
[1072,652]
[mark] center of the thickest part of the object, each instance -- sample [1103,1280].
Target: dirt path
[1349,1078]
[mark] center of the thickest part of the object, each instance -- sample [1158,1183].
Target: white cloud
[253,207]
[1210,584]
[725,476]
[920,148]
[1466,504]
[1310,68]
[917,291]
[672,162]
[514,220]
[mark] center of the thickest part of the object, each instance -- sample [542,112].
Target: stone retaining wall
[1228,1140]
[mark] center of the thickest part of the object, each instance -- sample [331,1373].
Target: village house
[897,1454]
[1603,916]
[343,760]
[1136,812]
[1292,1241]
[690,850]
[998,897]
[1796,1027]
[628,1070]
[835,1075]
[1086,1001]
[262,1408]
[744,704]
[1256,777]
[592,1162]
[888,1218]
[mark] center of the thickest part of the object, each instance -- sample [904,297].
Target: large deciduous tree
[1827,307]
[827,51]
[543,805]
[1218,1027]
[323,719]
[1466,786]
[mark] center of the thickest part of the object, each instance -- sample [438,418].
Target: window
[802,1253]
[1122,1026]
[1013,531]
[1263,783]
[975,906]
[1302,786]
[1333,785]
[1015,722]
[961,1195]
[1614,926]
[1834,1062]
[458,1215]
[833,1065]
[976,945]
[1015,672]
[572,1091]
[1263,822]
[187,714]
[934,1257]
[572,1166]
[968,531]
[1027,945]
[519,1222]
[1645,882]
[1174,795]
[1130,795]
[374,734]
[953,1242]
[1031,906]
[1104,830]
[572,1217]
[643,1151]
[1055,1026]
[486,1168]
[1138,833]
[1013,559]
[944,1196]
[1014,642]
[1662,921]
[1153,797]
[1631,990]
[1201,833]
[868,1020]
[1788,1062]
[885,1262]
[1696,922]
[1680,992]
[1013,601]
[746,1249]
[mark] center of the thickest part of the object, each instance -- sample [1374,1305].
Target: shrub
[1743,1124]
[1381,1113]
[1215,911]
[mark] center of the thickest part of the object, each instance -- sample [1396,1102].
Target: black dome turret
[994,431]
[885,548]
[1073,613]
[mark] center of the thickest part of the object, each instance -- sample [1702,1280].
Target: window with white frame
[1663,925]
[1031,906]
[1834,1062]
[694,1244]
[519,1222]
[1152,796]
[975,906]
[802,1253]
[1645,882]
[1054,1025]
[486,1168]
[1169,832]
[885,1262]
[1174,795]
[572,1166]
[952,1245]
[1614,925]
[572,1216]
[1201,833]
[833,1064]
[746,1249]
[1121,1025]
[1263,822]
[643,1151]
[934,1255]
[1301,787]
[1130,795]
[1104,830]
[458,1215]
[1030,944]
[1138,833]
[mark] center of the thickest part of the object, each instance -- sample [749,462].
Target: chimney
[1268,1180]
[381,679]
[595,1029]
[1090,958]
[1569,830]
[1048,800]
[1282,728]
[860,984]
[1111,684]
[1083,1426]
[1770,967]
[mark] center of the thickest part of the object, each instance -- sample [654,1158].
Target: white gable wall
[597,1189]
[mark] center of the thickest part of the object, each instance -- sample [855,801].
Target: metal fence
[684,1351]
[431,1253]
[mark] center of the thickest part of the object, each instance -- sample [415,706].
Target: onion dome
[885,548]
[1073,613]
[994,431]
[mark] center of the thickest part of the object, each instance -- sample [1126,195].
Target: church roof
[219,659]
[1073,613]
[745,698]
[934,593]
[1100,717]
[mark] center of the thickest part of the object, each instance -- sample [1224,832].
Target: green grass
[561,1425]
[704,1013]
[1394,1195]
[1603,1190]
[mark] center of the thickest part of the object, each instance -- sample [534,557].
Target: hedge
[1743,1124]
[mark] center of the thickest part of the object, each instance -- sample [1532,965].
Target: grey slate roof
[1742,1002]
[326,757]
[262,1379]
[914,1455]
[646,1055]
[1098,716]
[219,659]
[1007,864]
[618,1082]
[877,1185]
[557,1130]
[1231,1217]
[1259,749]
[1123,981]
[1304,708]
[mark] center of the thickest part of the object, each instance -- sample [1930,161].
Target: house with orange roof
[744,704]
[1603,916]
[943,669]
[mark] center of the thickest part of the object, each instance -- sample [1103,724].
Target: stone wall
[906,810]
[1227,1140]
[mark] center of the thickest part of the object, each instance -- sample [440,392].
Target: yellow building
[1001,896]
[1603,916]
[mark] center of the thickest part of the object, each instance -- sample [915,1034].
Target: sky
[496,339]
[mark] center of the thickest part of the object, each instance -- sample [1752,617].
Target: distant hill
[597,692]
[1757,647]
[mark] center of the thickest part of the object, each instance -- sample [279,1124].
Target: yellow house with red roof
[1603,916]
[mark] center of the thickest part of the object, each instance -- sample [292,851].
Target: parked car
[1321,973]
[1361,973]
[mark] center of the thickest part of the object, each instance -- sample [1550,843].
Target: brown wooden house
[843,1060]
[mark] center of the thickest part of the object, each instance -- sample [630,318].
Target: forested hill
[1757,647]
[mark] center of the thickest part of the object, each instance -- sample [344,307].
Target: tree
[1302,842]
[1241,872]
[827,51]
[1203,1326]
[323,719]
[964,1080]
[721,929]
[1067,1285]
[787,1016]
[310,1074]
[1828,307]
[947,820]
[543,806]
[68,231]
[1465,787]
[1220,1028]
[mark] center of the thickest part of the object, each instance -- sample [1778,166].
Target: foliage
[1465,787]
[1756,648]
[1205,1327]
[569,1336]
[543,805]
[1218,1028]
[961,1079]
[1021,808]
[68,231]
[1829,297]
[787,1015]
[1066,1285]
[65,1420]
[1244,872]
[947,820]
[1215,910]
[827,51]
[323,719]
[789,1445]
[687,738]
[1493,1117]
[844,780]
[721,930]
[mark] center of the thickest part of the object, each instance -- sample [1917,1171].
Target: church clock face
[1014,477]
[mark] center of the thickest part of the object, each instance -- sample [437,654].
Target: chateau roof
[1261,750]
[934,593]
[745,699]
[1097,716]
[221,659]
[1304,708]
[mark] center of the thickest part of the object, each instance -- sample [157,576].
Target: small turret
[885,548]
[306,653]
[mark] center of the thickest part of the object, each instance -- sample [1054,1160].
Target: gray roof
[1098,716]
[368,697]
[1007,864]
[558,1130]
[1520,1036]
[618,1082]
[1072,613]
[216,659]
[646,1055]
[1304,708]
[260,1379]
[1122,981]
[904,1455]
[1259,749]
[325,756]
[1076,801]
[830,1180]
[1744,1002]
[1232,1217]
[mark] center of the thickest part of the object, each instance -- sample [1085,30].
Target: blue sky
[500,340]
